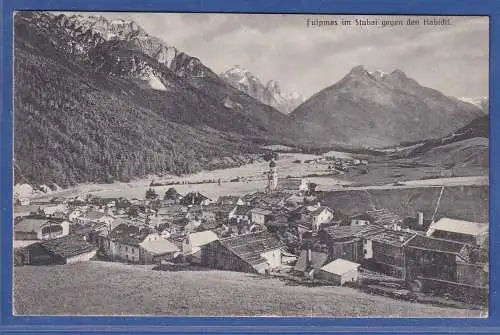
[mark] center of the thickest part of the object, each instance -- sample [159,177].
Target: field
[99,288]
[251,176]
[460,202]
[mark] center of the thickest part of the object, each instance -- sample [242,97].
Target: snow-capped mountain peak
[270,93]
[377,74]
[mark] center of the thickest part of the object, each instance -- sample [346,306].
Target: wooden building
[40,228]
[349,242]
[254,252]
[444,266]
[63,250]
[388,251]
[460,231]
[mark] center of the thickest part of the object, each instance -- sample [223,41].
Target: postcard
[203,164]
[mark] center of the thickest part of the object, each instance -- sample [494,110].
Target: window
[126,248]
[133,250]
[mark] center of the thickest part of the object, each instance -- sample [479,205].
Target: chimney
[420,219]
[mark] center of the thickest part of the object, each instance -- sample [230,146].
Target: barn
[63,250]
[253,252]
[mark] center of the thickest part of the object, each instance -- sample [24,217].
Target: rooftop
[159,247]
[384,217]
[201,238]
[369,230]
[340,266]
[460,226]
[261,211]
[228,199]
[434,244]
[339,232]
[249,246]
[242,210]
[129,234]
[393,237]
[67,246]
[33,224]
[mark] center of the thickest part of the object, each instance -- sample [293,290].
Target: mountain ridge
[375,111]
[86,111]
[269,93]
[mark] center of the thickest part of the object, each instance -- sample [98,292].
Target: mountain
[377,109]
[477,128]
[269,94]
[481,102]
[98,100]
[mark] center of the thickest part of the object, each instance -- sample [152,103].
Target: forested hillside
[75,124]
[97,117]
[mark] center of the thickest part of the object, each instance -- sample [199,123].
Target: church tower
[272,178]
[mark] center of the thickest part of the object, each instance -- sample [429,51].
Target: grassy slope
[469,152]
[96,288]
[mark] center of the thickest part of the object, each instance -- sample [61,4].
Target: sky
[451,58]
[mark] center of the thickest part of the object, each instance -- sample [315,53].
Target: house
[125,242]
[24,201]
[154,251]
[230,200]
[194,212]
[309,263]
[260,216]
[194,198]
[447,266]
[74,214]
[343,242]
[340,271]
[89,231]
[460,231]
[50,210]
[364,235]
[63,250]
[265,200]
[240,213]
[171,214]
[192,244]
[258,252]
[387,249]
[384,217]
[94,216]
[40,228]
[429,257]
[361,219]
[321,216]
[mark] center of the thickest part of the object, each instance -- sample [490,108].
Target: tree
[151,194]
[269,155]
[171,193]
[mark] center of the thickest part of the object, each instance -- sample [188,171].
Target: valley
[148,181]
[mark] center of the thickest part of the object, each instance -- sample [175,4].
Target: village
[282,231]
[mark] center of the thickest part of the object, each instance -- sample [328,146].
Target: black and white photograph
[218,164]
